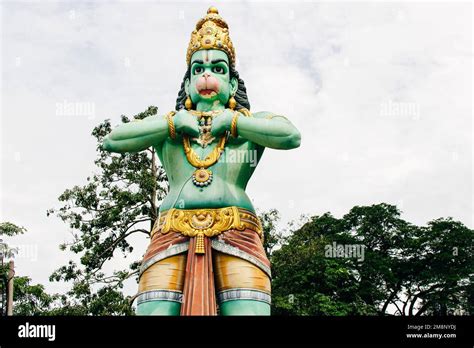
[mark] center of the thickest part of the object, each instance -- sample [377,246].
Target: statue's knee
[158,308]
[244,307]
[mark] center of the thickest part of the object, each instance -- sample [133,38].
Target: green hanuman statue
[206,255]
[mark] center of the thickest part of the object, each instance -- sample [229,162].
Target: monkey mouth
[207,92]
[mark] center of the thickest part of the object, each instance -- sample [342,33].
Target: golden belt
[206,222]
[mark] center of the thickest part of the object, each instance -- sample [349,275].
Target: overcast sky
[381,93]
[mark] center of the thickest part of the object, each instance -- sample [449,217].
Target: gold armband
[171,127]
[233,125]
[245,112]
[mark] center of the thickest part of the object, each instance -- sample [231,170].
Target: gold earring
[232,103]
[188,104]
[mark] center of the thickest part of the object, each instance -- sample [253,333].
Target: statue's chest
[232,149]
[234,152]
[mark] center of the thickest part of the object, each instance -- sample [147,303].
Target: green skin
[230,177]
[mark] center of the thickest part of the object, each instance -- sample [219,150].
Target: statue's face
[210,79]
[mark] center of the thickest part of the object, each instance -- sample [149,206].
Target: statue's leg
[242,288]
[244,307]
[161,287]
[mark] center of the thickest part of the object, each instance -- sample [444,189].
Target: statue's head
[211,76]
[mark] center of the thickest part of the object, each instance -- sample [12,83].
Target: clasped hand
[186,123]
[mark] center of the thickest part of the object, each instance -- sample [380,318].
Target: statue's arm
[269,130]
[137,135]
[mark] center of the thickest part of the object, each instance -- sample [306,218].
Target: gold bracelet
[233,125]
[245,112]
[171,128]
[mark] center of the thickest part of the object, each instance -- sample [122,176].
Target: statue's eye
[198,70]
[218,70]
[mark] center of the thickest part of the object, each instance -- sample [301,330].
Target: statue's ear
[186,86]
[234,85]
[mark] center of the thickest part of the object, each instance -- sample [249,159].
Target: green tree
[305,282]
[29,299]
[416,270]
[9,229]
[6,252]
[443,270]
[271,236]
[117,202]
[32,299]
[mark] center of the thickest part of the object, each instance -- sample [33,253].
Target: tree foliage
[9,229]
[271,236]
[30,299]
[405,269]
[118,201]
[6,253]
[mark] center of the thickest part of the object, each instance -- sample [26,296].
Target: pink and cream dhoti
[202,257]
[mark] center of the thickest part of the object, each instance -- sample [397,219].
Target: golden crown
[211,32]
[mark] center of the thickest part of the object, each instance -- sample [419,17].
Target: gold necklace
[203,176]
[206,113]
